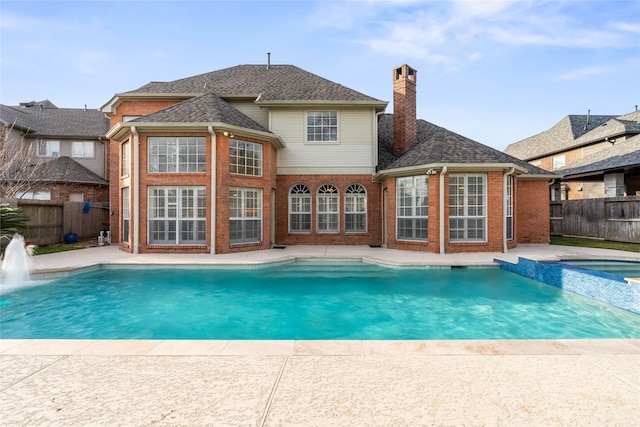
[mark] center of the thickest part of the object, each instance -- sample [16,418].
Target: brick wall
[532,215]
[374,215]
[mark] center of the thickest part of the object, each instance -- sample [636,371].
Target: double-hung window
[126,158]
[412,208]
[49,149]
[322,126]
[509,208]
[328,203]
[245,215]
[82,149]
[176,154]
[245,158]
[299,209]
[355,209]
[125,214]
[177,215]
[467,208]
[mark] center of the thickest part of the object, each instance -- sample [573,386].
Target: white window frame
[328,209]
[176,154]
[245,158]
[509,207]
[245,215]
[355,209]
[83,149]
[126,158]
[49,148]
[299,209]
[467,208]
[33,195]
[178,213]
[125,214]
[412,208]
[559,161]
[322,127]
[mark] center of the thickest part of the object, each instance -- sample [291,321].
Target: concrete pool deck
[319,383]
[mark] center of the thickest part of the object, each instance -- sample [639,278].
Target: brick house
[575,142]
[52,153]
[254,156]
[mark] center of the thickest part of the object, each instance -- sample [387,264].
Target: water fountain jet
[15,265]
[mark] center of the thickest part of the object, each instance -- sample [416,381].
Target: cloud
[584,72]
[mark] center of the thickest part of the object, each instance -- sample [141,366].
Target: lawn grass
[594,243]
[44,250]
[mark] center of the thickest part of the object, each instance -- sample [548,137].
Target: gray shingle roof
[202,109]
[51,121]
[437,145]
[559,137]
[617,157]
[276,83]
[65,169]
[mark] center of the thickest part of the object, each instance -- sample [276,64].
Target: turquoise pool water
[307,301]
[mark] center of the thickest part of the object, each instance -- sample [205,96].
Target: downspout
[136,189]
[213,188]
[504,208]
[442,174]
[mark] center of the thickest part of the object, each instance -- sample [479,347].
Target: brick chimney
[405,131]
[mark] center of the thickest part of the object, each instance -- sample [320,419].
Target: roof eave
[451,167]
[110,107]
[378,105]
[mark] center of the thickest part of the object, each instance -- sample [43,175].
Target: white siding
[353,153]
[257,113]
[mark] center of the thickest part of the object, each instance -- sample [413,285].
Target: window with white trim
[33,195]
[177,215]
[176,154]
[467,208]
[299,209]
[126,158]
[355,209]
[49,149]
[245,158]
[509,210]
[412,208]
[322,126]
[559,161]
[328,205]
[245,215]
[82,149]
[125,214]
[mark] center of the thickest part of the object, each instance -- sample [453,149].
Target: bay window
[177,215]
[467,208]
[245,215]
[412,208]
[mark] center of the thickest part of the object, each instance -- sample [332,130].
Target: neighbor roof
[437,145]
[621,156]
[560,137]
[65,169]
[51,121]
[275,83]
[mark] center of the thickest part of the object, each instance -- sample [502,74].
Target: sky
[493,71]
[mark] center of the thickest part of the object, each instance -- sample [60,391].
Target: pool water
[619,268]
[306,300]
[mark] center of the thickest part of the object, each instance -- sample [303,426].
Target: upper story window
[129,118]
[245,158]
[82,149]
[49,149]
[355,209]
[176,154]
[322,126]
[299,209]
[126,158]
[559,161]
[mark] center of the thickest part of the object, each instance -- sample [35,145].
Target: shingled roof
[619,157]
[437,145]
[202,109]
[275,83]
[43,119]
[61,169]
[560,137]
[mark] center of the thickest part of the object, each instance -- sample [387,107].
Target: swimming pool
[305,300]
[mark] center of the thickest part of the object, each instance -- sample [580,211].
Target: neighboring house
[254,156]
[53,153]
[575,138]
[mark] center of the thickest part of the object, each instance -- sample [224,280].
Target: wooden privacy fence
[49,221]
[613,218]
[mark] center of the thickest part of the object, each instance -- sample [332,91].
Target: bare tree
[20,168]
